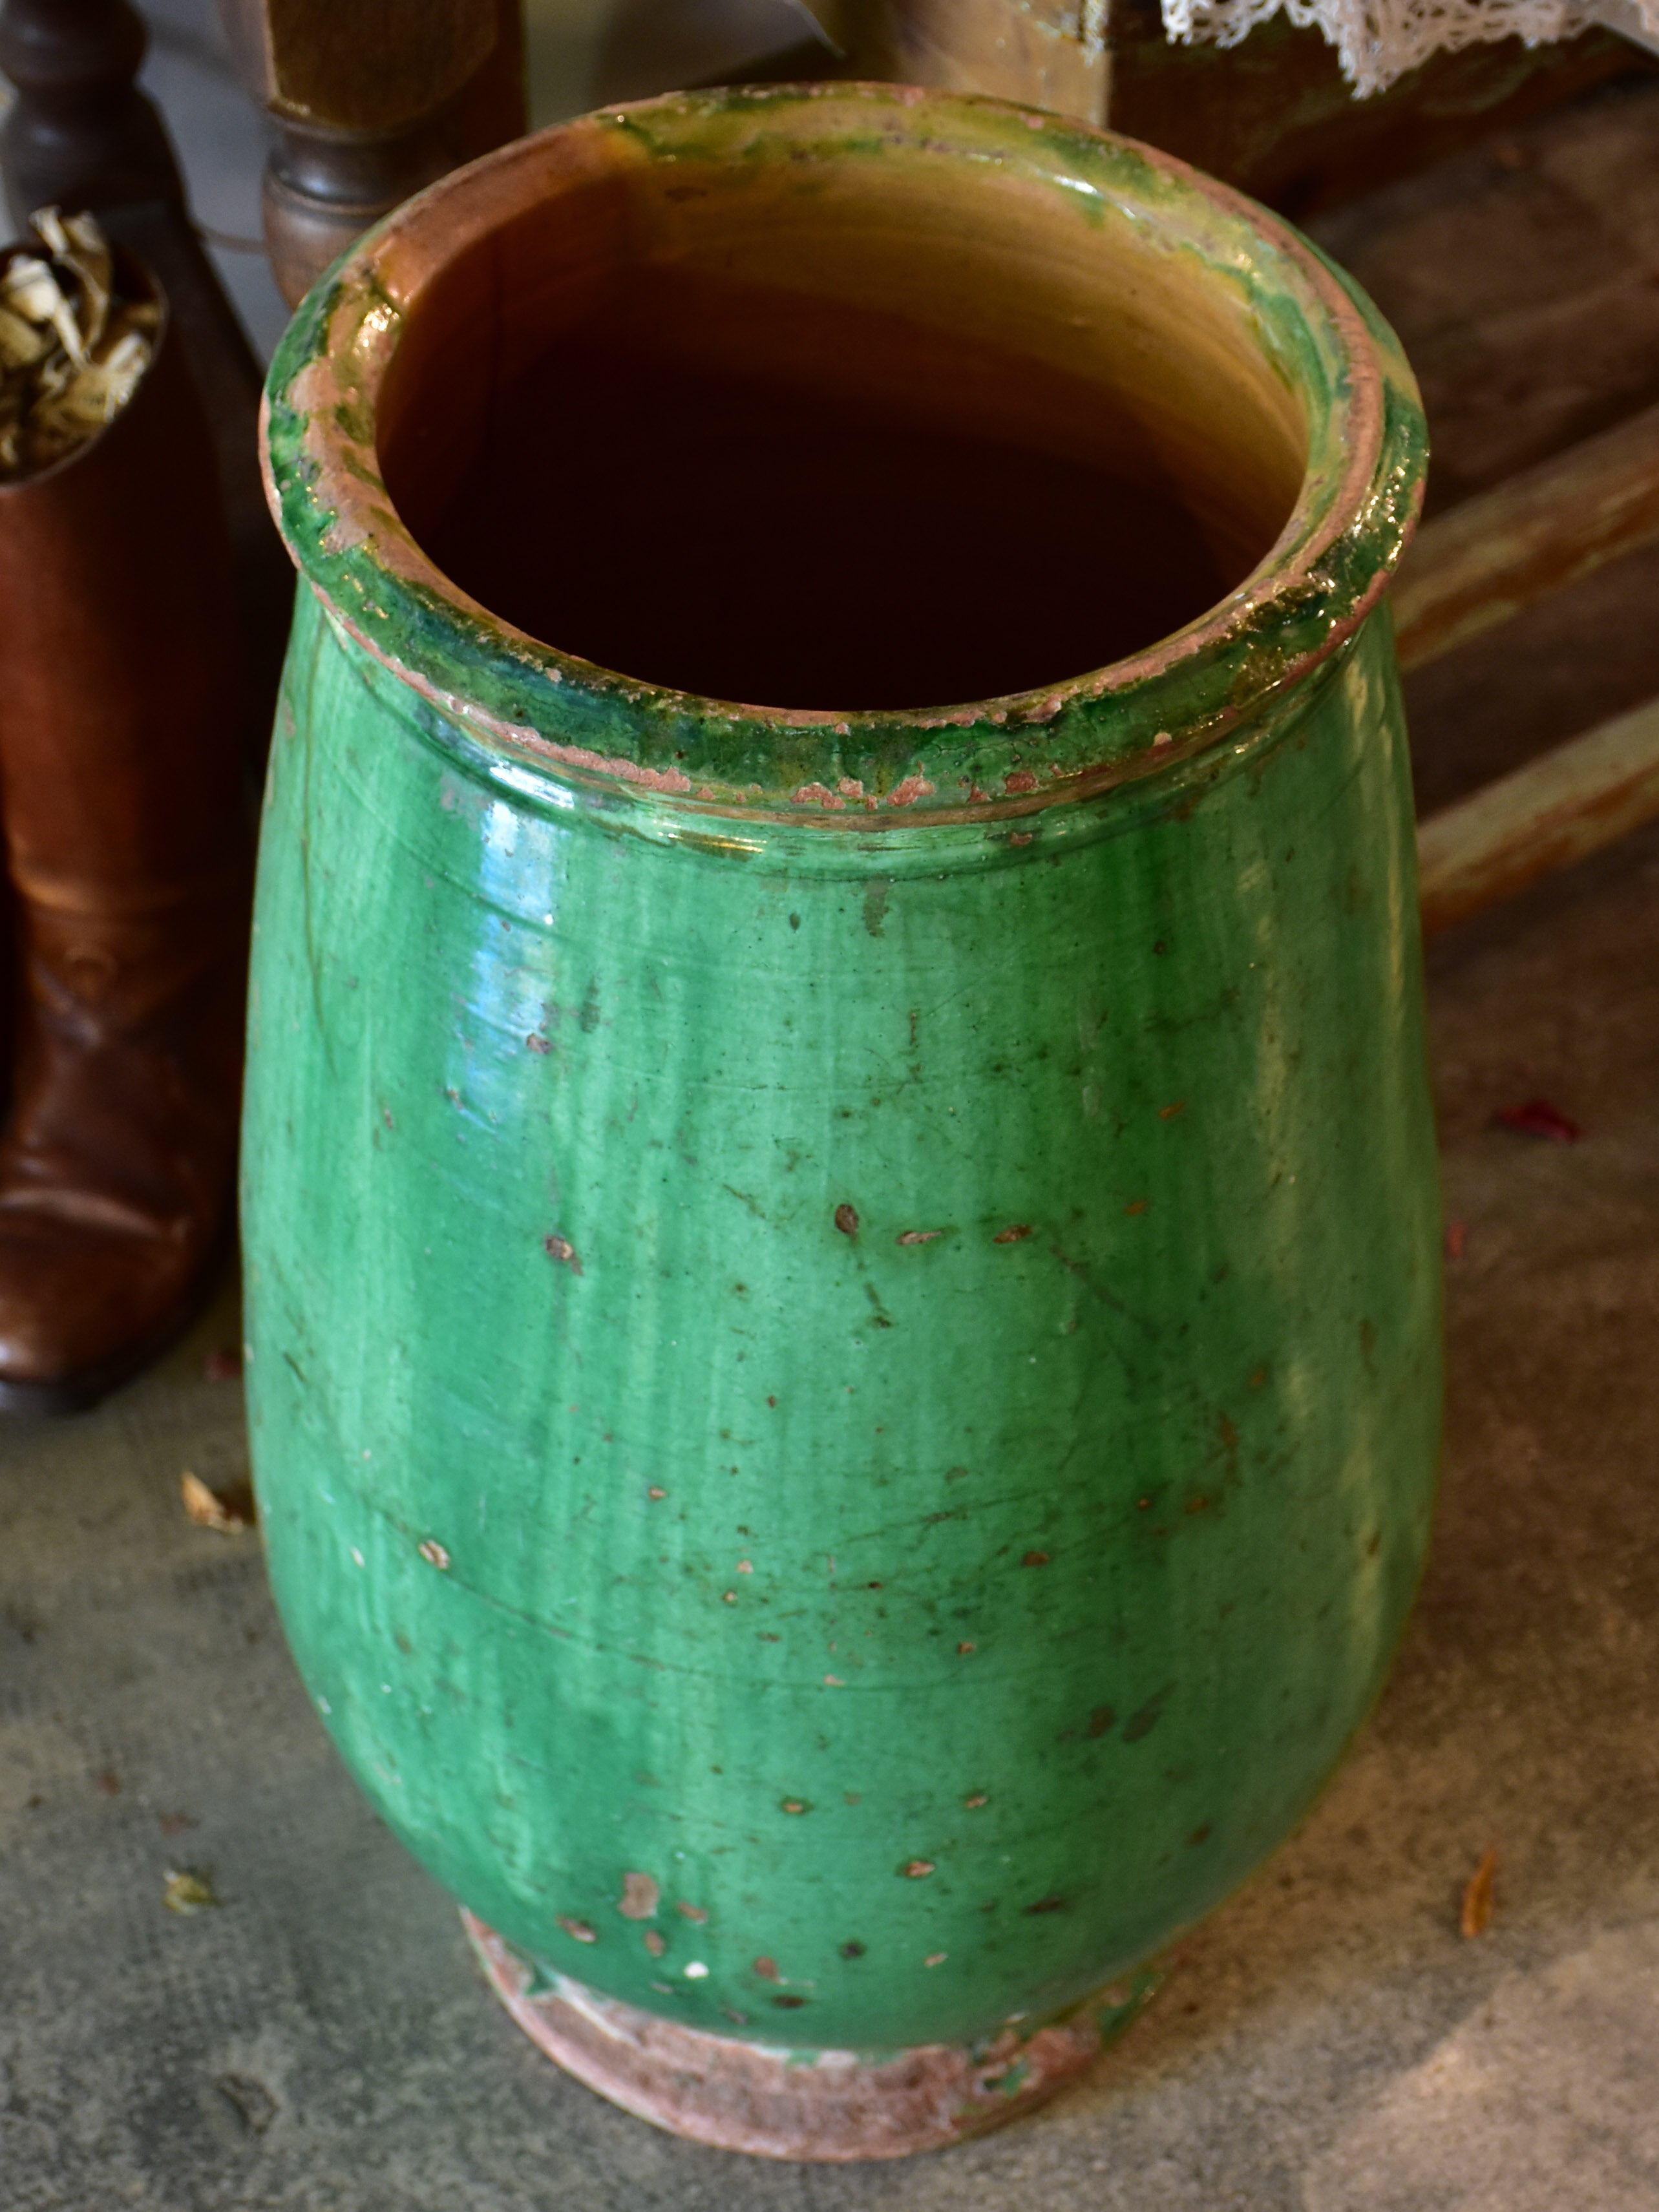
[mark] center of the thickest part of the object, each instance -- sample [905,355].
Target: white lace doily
[1379,41]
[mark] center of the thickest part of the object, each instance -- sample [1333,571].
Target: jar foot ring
[774,2102]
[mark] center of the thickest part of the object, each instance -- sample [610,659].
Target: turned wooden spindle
[370,103]
[81,133]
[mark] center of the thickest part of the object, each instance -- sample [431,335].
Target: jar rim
[589,730]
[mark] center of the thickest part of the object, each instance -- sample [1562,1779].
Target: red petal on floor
[1538,1118]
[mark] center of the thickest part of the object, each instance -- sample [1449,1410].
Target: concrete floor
[1329,2042]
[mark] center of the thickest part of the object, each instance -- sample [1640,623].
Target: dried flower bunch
[71,353]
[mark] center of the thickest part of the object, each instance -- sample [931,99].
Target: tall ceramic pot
[844,1351]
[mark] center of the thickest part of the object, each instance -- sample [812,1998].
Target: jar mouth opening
[846,389]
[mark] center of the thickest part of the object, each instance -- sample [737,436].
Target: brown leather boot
[126,842]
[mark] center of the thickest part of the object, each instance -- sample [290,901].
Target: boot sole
[79,1394]
[45,1401]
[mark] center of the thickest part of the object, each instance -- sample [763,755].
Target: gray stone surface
[1327,2041]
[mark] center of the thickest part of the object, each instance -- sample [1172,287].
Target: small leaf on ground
[226,1511]
[189,1890]
[1478,1896]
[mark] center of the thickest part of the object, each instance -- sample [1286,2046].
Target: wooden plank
[1555,811]
[1550,524]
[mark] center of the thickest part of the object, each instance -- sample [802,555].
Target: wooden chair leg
[370,104]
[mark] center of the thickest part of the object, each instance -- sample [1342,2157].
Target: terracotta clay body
[121,798]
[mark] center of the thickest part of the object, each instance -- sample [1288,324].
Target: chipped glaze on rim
[588,732]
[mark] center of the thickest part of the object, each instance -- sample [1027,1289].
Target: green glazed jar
[845,1337]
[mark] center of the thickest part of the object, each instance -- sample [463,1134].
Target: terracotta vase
[845,1301]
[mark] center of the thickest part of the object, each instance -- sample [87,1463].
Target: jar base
[810,2105]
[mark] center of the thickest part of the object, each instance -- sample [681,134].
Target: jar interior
[844,434]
